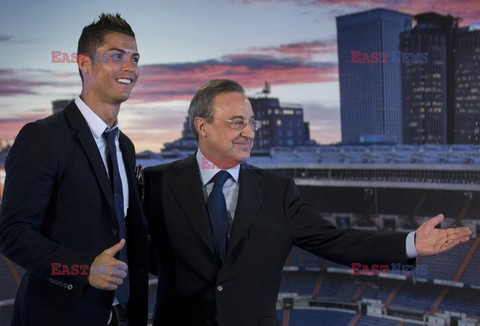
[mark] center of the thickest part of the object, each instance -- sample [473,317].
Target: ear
[84,63]
[201,126]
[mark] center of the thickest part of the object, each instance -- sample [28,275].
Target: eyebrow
[241,117]
[123,51]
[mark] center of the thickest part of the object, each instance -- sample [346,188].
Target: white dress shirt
[230,188]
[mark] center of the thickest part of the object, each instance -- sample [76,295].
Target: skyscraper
[370,97]
[427,87]
[466,123]
[442,96]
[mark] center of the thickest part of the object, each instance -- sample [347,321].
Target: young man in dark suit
[222,229]
[71,214]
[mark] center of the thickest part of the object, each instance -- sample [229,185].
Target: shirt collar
[208,169]
[95,123]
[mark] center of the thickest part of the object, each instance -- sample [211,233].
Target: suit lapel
[187,188]
[250,198]
[77,122]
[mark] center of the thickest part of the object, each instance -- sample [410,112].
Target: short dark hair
[93,35]
[202,102]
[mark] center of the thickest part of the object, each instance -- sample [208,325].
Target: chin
[243,157]
[122,98]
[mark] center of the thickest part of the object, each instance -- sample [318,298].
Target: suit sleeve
[31,177]
[345,246]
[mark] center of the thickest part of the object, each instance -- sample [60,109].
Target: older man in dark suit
[71,214]
[222,229]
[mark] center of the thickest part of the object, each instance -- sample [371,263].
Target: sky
[184,43]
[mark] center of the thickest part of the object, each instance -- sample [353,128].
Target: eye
[238,123]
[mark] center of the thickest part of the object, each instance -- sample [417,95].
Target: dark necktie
[217,211]
[123,291]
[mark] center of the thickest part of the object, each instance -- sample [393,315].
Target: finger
[464,231]
[459,232]
[115,248]
[120,265]
[117,272]
[112,287]
[435,220]
[120,274]
[116,281]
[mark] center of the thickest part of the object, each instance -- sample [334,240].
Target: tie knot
[111,135]
[220,178]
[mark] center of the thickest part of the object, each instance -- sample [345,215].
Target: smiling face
[218,140]
[110,76]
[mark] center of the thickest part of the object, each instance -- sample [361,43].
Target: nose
[248,131]
[128,65]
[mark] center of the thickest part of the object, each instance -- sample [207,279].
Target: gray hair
[202,102]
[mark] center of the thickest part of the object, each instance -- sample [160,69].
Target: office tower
[281,125]
[442,96]
[427,87]
[466,122]
[370,97]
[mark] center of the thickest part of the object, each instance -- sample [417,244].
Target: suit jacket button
[70,286]
[219,288]
[114,231]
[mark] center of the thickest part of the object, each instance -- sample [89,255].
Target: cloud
[151,126]
[28,81]
[324,122]
[167,82]
[468,10]
[5,38]
[300,50]
[159,101]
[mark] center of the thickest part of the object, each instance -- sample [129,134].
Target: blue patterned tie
[123,291]
[217,211]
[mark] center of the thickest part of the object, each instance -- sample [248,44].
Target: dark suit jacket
[58,208]
[269,219]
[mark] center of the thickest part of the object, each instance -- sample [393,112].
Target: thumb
[115,248]
[436,220]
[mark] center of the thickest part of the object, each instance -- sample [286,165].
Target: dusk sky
[289,43]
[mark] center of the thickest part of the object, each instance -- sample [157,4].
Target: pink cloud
[163,82]
[27,81]
[300,49]
[468,10]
